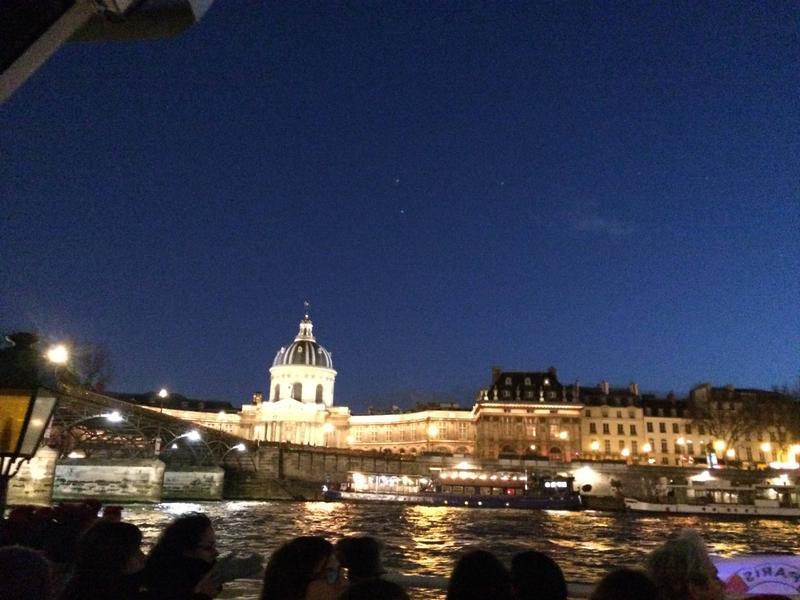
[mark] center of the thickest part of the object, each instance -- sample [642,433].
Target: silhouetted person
[179,564]
[361,556]
[625,584]
[108,564]
[304,568]
[24,574]
[479,575]
[681,568]
[536,576]
[374,589]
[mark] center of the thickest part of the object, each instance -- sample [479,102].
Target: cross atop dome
[306,326]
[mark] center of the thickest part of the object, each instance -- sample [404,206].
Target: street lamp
[57,354]
[24,416]
[327,430]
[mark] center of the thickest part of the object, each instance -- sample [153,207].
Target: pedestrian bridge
[94,426]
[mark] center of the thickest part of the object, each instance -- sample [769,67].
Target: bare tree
[726,416]
[92,367]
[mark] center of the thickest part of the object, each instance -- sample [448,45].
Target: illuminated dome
[305,350]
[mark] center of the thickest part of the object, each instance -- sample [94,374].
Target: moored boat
[716,497]
[471,488]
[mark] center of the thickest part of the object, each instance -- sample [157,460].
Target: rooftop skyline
[607,189]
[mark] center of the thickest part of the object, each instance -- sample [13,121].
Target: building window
[688,428]
[619,414]
[605,428]
[607,445]
[749,452]
[690,448]
[634,447]
[527,381]
[677,448]
[297,391]
[529,394]
[701,430]
[588,412]
[664,446]
[592,428]
[633,429]
[621,444]
[319,394]
[508,380]
[506,394]
[374,435]
[620,429]
[665,461]
[675,428]
[662,427]
[649,427]
[277,392]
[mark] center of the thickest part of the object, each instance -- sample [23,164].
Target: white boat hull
[745,510]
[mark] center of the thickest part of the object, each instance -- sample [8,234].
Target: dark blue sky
[608,188]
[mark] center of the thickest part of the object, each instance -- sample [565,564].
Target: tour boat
[471,488]
[708,496]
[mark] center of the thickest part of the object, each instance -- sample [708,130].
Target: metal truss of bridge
[94,426]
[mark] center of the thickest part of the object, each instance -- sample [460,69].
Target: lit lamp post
[719,447]
[327,430]
[24,416]
[433,432]
[595,446]
[27,402]
[647,449]
[765,448]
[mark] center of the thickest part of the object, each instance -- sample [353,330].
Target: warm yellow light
[328,428]
[533,446]
[625,452]
[433,431]
[350,439]
[563,435]
[680,441]
[58,354]
[719,445]
[731,453]
[595,446]
[647,447]
[163,393]
[766,447]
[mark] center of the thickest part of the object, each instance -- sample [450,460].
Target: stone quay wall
[282,472]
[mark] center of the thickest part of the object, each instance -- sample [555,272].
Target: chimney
[496,372]
[634,388]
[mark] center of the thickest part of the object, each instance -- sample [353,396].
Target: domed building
[300,407]
[303,371]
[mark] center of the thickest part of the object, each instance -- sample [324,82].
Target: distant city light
[163,393]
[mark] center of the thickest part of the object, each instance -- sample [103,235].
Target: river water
[426,540]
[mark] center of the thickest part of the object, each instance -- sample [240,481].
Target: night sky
[608,188]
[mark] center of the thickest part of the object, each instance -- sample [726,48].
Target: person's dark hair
[370,589]
[106,547]
[625,584]
[24,574]
[536,576]
[361,556]
[183,534]
[104,553]
[293,566]
[478,575]
[679,563]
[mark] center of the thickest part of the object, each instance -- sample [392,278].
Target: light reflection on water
[423,540]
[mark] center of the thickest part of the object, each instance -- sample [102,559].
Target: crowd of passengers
[83,552]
